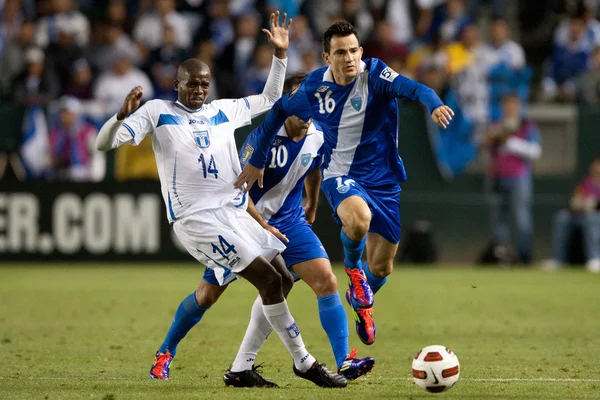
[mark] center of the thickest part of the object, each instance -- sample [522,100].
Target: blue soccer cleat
[160,366]
[351,368]
[365,326]
[360,291]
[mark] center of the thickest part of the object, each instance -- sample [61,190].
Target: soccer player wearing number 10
[355,102]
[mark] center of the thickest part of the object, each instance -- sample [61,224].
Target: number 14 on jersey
[210,167]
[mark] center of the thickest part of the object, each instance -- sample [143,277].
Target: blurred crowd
[67,65]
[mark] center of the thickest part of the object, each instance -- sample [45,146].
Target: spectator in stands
[302,41]
[149,28]
[62,12]
[509,73]
[113,41]
[112,86]
[470,61]
[355,12]
[259,69]
[496,7]
[513,145]
[383,45]
[73,156]
[588,86]
[13,56]
[569,60]
[63,52]
[11,18]
[456,17]
[237,55]
[583,213]
[80,82]
[218,26]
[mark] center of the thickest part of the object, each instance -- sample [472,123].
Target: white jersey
[195,151]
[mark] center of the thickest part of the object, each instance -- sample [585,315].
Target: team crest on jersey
[388,74]
[356,103]
[306,159]
[322,89]
[202,139]
[248,150]
[276,142]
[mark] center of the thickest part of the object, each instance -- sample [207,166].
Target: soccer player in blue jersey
[355,102]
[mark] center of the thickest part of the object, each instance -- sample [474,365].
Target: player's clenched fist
[131,103]
[442,116]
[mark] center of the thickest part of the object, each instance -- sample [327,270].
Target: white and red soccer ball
[435,368]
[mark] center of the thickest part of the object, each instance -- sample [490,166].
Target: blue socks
[352,251]
[187,315]
[374,281]
[335,324]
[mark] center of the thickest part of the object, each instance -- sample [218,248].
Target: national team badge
[293,331]
[202,139]
[356,103]
[248,150]
[306,159]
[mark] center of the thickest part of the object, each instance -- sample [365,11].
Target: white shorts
[226,240]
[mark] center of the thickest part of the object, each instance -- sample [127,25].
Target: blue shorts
[304,246]
[384,202]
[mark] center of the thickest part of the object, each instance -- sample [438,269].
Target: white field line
[369,378]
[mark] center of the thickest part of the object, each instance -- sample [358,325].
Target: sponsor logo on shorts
[234,262]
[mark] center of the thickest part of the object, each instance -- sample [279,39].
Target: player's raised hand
[278,36]
[131,103]
[442,116]
[250,174]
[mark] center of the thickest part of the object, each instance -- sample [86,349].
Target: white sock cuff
[273,310]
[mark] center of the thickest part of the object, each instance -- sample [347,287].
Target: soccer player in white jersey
[197,162]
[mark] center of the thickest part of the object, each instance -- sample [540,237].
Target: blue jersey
[359,121]
[279,202]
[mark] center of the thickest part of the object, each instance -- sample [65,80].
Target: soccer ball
[435,368]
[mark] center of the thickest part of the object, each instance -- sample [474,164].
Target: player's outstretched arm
[278,37]
[442,116]
[108,132]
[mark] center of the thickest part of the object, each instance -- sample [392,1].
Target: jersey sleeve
[247,149]
[137,126]
[294,103]
[237,111]
[388,82]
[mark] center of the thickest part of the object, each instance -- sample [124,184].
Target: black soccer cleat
[321,376]
[248,378]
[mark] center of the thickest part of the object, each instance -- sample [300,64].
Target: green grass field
[91,332]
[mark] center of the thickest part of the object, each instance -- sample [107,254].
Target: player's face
[344,58]
[297,124]
[193,89]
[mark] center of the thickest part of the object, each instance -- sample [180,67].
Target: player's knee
[382,269]
[357,222]
[325,285]
[287,282]
[206,296]
[271,284]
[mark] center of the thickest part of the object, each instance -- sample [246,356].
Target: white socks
[257,332]
[262,319]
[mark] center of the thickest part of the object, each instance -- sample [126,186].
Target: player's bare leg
[317,274]
[270,284]
[188,314]
[380,255]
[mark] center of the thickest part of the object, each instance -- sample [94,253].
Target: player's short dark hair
[293,81]
[341,28]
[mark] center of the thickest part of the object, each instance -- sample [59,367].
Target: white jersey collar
[178,104]
[328,75]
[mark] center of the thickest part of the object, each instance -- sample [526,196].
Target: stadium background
[90,274]
[93,52]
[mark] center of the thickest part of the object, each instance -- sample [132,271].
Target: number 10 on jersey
[210,167]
